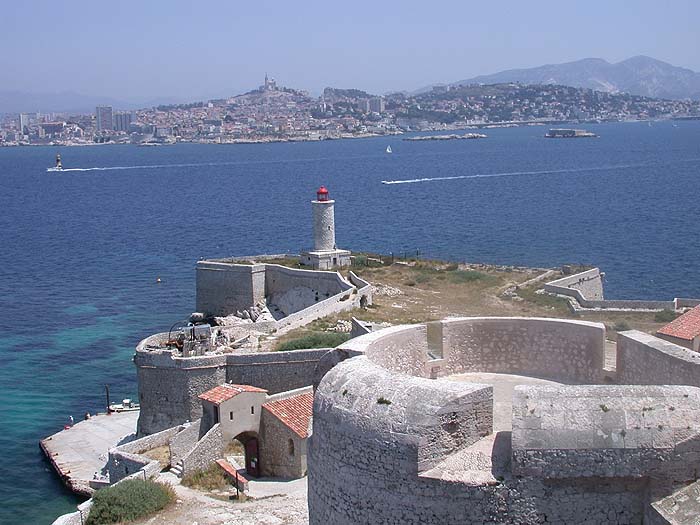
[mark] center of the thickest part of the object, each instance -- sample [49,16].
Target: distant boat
[59,165]
[388,149]
[569,134]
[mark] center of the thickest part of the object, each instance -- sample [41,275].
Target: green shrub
[129,500]
[422,278]
[314,340]
[622,326]
[665,316]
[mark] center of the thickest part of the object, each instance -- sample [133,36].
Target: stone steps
[178,469]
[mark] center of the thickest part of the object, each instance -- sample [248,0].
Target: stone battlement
[419,450]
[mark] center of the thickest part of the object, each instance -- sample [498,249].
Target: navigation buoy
[157,279]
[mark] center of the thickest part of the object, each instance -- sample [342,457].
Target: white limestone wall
[557,349]
[643,359]
[366,456]
[224,288]
[562,350]
[588,283]
[323,225]
[587,289]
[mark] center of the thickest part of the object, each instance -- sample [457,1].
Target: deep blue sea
[81,250]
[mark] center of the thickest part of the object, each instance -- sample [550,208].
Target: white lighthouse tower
[325,254]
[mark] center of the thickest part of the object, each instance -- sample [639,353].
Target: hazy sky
[197,49]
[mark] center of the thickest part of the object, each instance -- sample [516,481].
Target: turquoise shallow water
[81,250]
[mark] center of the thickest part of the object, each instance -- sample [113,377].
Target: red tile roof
[687,326]
[221,393]
[294,412]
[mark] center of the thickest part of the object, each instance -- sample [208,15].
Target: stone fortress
[464,420]
[568,442]
[245,300]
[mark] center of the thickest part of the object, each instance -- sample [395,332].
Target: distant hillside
[69,102]
[639,75]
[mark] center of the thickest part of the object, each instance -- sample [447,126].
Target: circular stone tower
[324,221]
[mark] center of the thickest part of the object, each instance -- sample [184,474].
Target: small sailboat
[388,149]
[59,165]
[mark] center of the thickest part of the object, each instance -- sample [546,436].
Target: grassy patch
[129,500]
[559,304]
[160,454]
[314,340]
[212,478]
[665,316]
[469,276]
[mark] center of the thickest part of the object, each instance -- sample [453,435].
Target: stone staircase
[178,469]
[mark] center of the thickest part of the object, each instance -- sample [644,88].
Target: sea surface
[82,249]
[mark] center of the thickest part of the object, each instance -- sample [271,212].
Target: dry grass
[432,290]
[212,478]
[160,454]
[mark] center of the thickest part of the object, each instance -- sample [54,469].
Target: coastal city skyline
[276,113]
[178,53]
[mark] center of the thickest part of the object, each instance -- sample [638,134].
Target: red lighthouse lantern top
[322,194]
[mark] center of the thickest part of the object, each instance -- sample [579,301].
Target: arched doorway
[251,449]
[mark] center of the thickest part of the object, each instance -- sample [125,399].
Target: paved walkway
[78,452]
[503,386]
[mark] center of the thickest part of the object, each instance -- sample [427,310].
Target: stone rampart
[587,289]
[643,359]
[184,440]
[375,431]
[127,459]
[589,284]
[390,446]
[169,386]
[206,451]
[563,350]
[224,288]
[606,431]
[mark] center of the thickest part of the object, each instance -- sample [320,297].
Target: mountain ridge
[638,75]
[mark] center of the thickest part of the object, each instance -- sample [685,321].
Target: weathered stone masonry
[577,454]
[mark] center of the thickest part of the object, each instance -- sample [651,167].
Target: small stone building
[273,429]
[236,407]
[684,330]
[284,430]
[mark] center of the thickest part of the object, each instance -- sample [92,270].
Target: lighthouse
[325,254]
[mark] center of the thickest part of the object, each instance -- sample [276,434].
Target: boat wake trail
[144,167]
[539,172]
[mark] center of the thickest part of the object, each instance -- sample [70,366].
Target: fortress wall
[274,371]
[607,431]
[401,349]
[365,458]
[126,459]
[587,288]
[588,283]
[169,387]
[279,279]
[183,441]
[341,302]
[207,450]
[364,288]
[224,288]
[643,359]
[562,350]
